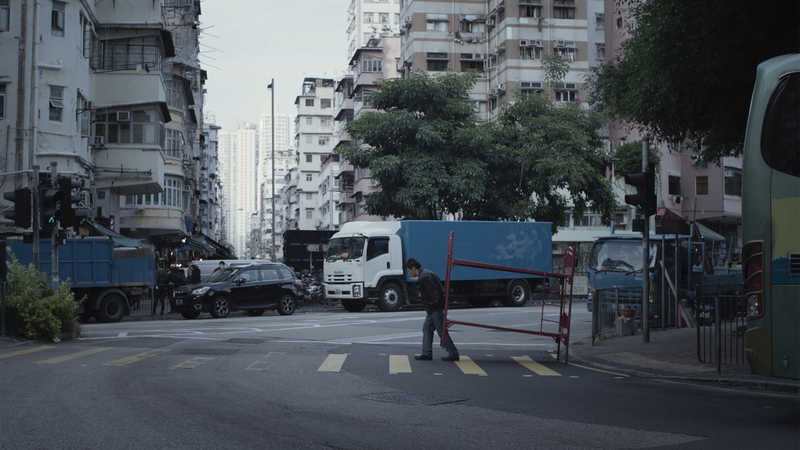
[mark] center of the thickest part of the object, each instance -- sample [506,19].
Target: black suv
[252,288]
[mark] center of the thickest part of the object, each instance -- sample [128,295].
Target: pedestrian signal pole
[53,220]
[647,207]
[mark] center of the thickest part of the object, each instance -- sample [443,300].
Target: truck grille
[339,278]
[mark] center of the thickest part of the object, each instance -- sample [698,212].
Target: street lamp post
[272,139]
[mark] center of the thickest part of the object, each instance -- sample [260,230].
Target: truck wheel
[518,293]
[221,308]
[112,308]
[190,315]
[287,305]
[353,305]
[390,298]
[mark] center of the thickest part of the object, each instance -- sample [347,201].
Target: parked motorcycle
[312,287]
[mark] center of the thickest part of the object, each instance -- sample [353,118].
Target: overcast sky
[245,43]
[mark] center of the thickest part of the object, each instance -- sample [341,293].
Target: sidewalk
[670,354]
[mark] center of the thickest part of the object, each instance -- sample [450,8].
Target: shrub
[42,313]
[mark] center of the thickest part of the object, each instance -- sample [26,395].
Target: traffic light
[21,215]
[645,197]
[68,215]
[48,201]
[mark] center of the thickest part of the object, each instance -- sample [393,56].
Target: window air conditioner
[98,140]
[477,56]
[87,105]
[728,173]
[559,43]
[492,51]
[492,92]
[123,116]
[569,43]
[501,87]
[489,22]
[523,43]
[535,43]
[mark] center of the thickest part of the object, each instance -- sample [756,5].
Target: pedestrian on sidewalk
[194,272]
[162,280]
[430,287]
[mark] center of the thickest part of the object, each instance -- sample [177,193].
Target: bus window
[780,138]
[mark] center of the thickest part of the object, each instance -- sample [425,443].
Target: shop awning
[119,240]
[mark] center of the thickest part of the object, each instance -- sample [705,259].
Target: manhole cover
[244,341]
[412,399]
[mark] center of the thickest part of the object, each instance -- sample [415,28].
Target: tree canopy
[688,70]
[431,156]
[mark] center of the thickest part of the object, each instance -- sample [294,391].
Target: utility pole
[54,233]
[35,223]
[272,139]
[645,253]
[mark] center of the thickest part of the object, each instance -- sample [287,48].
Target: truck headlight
[357,290]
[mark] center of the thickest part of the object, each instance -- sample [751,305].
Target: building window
[309,177]
[566,96]
[309,102]
[57,19]
[530,10]
[309,120]
[568,53]
[601,51]
[435,25]
[173,144]
[309,195]
[396,18]
[309,214]
[130,127]
[84,117]
[468,26]
[323,140]
[371,65]
[563,13]
[368,17]
[599,21]
[141,53]
[86,45]
[530,86]
[325,103]
[309,140]
[437,62]
[383,17]
[701,186]
[590,220]
[530,52]
[733,182]
[5,12]
[309,157]
[474,64]
[674,185]
[2,101]
[326,122]
[56,103]
[176,98]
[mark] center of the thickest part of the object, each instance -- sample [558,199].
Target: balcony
[130,13]
[135,170]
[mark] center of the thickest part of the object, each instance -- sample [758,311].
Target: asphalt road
[349,381]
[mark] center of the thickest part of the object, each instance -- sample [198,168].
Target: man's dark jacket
[430,287]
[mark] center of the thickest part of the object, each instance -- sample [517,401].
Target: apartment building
[370,19]
[504,40]
[238,152]
[122,113]
[314,142]
[284,159]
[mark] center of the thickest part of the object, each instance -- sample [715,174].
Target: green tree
[545,157]
[555,69]
[688,70]
[424,148]
[628,158]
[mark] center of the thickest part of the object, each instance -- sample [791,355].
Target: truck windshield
[345,248]
[619,256]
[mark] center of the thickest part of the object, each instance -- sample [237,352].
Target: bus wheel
[518,293]
[353,305]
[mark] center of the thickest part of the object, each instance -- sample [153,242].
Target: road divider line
[266,361]
[469,367]
[137,358]
[399,364]
[194,362]
[535,367]
[333,363]
[60,359]
[25,352]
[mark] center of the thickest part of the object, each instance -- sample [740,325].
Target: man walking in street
[194,272]
[430,287]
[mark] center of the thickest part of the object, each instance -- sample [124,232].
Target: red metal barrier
[565,298]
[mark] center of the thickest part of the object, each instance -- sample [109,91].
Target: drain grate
[412,399]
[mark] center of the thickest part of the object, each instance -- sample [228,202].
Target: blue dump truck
[614,271]
[365,261]
[114,280]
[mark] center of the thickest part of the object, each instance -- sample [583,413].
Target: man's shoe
[423,357]
[450,358]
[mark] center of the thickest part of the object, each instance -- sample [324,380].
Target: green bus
[771,220]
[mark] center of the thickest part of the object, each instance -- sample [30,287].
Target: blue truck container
[112,279]
[365,261]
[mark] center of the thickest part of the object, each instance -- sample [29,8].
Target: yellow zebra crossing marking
[266,362]
[535,367]
[194,362]
[26,351]
[399,364]
[333,363]
[137,358]
[61,359]
[469,367]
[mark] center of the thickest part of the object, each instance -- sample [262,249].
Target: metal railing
[721,323]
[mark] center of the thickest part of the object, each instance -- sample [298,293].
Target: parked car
[253,288]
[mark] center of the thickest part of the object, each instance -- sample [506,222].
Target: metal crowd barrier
[721,324]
